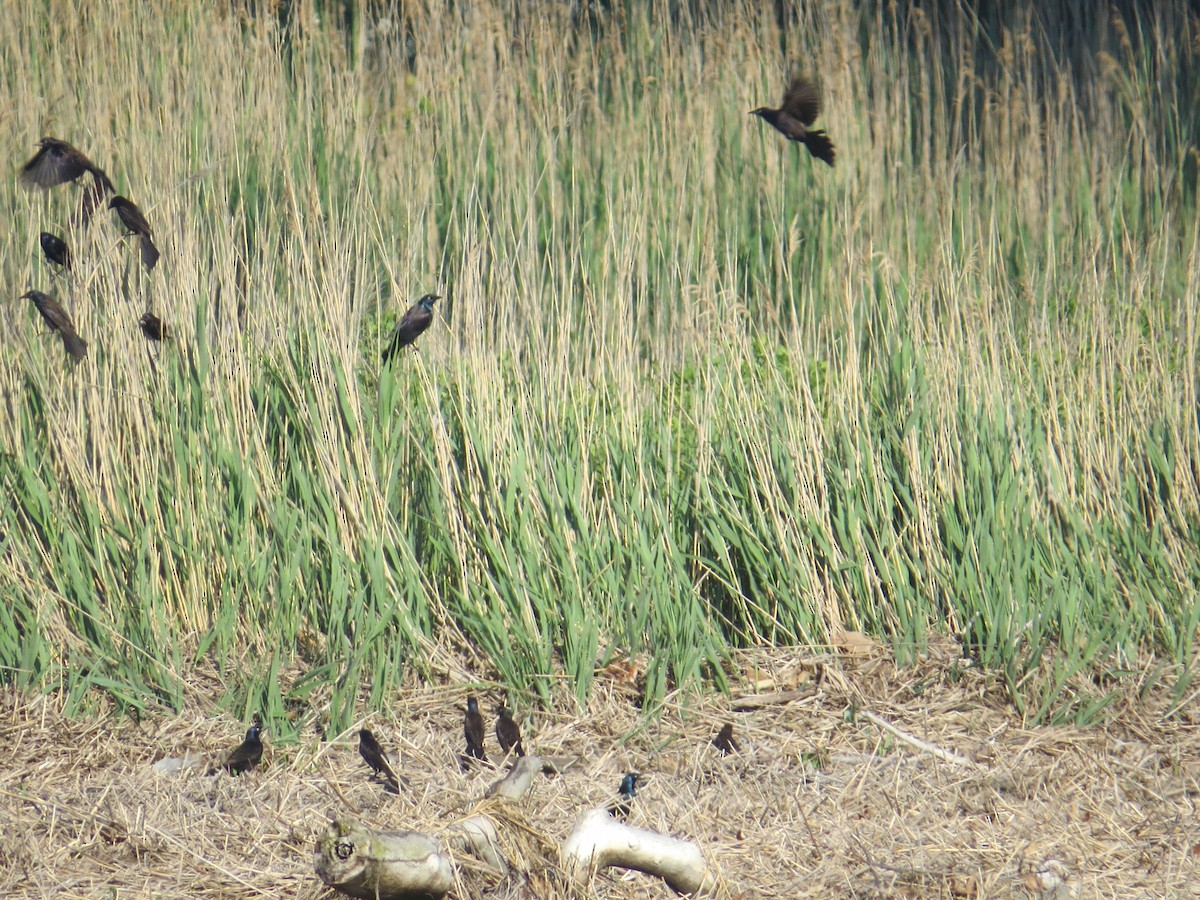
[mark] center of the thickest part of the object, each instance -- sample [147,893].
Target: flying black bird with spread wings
[57,162]
[412,326]
[58,320]
[800,108]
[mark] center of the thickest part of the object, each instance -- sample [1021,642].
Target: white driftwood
[598,840]
[387,865]
[479,836]
[516,784]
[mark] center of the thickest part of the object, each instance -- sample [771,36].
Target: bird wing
[54,164]
[94,196]
[802,100]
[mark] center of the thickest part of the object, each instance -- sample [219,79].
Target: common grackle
[628,790]
[373,756]
[55,163]
[508,733]
[245,756]
[473,729]
[412,325]
[131,217]
[58,320]
[800,108]
[724,740]
[56,249]
[152,327]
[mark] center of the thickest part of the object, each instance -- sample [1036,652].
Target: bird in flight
[800,108]
[57,162]
[58,320]
[412,326]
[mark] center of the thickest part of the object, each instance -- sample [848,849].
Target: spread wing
[802,100]
[57,162]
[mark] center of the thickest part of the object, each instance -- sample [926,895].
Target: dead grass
[819,802]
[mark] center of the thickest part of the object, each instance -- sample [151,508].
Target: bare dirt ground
[822,799]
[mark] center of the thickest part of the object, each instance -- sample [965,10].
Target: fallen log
[386,865]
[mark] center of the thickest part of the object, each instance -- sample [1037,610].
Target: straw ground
[820,801]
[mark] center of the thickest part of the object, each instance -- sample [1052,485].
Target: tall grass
[689,390]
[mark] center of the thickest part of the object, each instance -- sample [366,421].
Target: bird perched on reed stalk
[58,320]
[412,325]
[473,729]
[724,740]
[627,791]
[55,250]
[152,326]
[800,108]
[131,217]
[245,756]
[508,733]
[373,756]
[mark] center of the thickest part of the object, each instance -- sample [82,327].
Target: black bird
[724,740]
[412,326]
[800,108]
[94,196]
[627,790]
[55,163]
[373,756]
[473,729]
[508,733]
[245,756]
[56,250]
[152,326]
[58,320]
[131,217]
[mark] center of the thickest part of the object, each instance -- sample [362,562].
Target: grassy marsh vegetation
[690,389]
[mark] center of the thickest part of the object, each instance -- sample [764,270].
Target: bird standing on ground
[508,733]
[412,325]
[628,790]
[58,320]
[373,756]
[246,755]
[800,108]
[724,740]
[56,250]
[473,729]
[131,217]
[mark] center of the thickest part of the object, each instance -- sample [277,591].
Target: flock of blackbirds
[57,162]
[246,755]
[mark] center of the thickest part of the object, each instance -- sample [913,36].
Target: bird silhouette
[373,756]
[58,320]
[412,325]
[93,197]
[800,108]
[55,163]
[627,791]
[508,733]
[55,249]
[131,217]
[245,756]
[152,327]
[473,729]
[724,740]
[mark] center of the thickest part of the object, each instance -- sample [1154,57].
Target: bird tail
[820,146]
[149,252]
